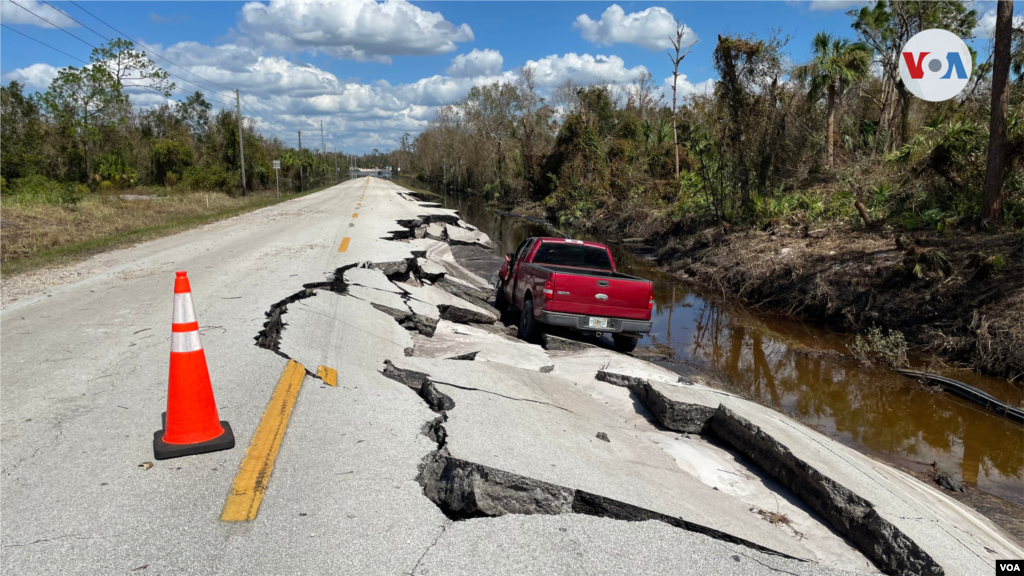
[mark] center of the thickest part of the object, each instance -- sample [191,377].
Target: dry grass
[36,236]
[775,518]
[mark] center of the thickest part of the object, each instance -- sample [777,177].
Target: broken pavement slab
[556,343]
[905,526]
[335,330]
[501,411]
[390,303]
[435,231]
[458,235]
[430,270]
[450,307]
[441,253]
[450,339]
[369,277]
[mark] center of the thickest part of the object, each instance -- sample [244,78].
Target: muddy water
[806,372]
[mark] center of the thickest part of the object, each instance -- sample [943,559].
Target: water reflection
[803,370]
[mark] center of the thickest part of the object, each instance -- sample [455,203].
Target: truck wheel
[529,328]
[624,343]
[500,302]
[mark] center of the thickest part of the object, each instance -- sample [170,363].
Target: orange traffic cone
[191,425]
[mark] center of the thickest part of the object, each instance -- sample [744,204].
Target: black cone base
[162,450]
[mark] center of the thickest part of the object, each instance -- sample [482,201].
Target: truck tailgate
[579,294]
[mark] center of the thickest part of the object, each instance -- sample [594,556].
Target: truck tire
[624,343]
[529,328]
[500,302]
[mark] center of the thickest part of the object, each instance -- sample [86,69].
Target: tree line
[837,137]
[84,135]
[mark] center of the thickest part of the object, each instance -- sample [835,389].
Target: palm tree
[837,65]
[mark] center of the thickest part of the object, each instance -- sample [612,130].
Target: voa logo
[1009,567]
[935,65]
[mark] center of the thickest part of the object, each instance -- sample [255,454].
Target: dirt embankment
[960,297]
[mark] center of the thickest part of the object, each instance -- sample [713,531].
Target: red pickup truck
[573,283]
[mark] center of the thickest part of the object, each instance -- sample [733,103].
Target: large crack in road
[419,293]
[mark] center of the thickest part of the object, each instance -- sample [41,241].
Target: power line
[173,64]
[51,23]
[265,121]
[44,44]
[150,48]
[206,88]
[76,21]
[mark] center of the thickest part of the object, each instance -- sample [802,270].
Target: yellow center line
[356,215]
[328,375]
[344,244]
[250,484]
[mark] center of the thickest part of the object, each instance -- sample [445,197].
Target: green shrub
[890,348]
[115,169]
[170,179]
[170,156]
[211,177]
[40,190]
[105,187]
[3,187]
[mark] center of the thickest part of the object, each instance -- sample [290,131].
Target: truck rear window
[555,254]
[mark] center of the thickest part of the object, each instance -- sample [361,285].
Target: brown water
[806,371]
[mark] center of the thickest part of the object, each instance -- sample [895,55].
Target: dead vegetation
[41,234]
[959,297]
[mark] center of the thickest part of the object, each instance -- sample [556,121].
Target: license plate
[598,322]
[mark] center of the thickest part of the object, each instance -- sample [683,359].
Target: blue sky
[372,72]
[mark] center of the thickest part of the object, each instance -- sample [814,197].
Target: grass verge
[42,236]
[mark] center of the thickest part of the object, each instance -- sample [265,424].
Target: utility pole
[335,163]
[300,163]
[241,149]
[323,150]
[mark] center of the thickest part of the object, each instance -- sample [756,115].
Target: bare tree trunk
[904,114]
[993,206]
[675,135]
[887,112]
[830,139]
[677,43]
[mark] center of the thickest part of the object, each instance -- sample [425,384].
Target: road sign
[277,176]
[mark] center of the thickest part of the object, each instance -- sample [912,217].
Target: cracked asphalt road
[83,382]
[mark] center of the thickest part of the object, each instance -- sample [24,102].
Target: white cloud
[291,96]
[685,88]
[35,77]
[827,5]
[355,29]
[986,27]
[651,28]
[11,14]
[294,96]
[585,69]
[476,63]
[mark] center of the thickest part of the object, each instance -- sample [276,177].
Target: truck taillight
[549,289]
[650,298]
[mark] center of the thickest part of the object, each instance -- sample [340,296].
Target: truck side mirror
[506,267]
